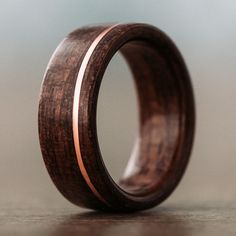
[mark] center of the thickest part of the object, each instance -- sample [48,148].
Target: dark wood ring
[67,117]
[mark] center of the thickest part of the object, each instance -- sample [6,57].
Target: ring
[67,117]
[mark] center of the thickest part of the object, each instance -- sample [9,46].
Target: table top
[207,219]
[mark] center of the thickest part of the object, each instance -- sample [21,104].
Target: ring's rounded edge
[113,40]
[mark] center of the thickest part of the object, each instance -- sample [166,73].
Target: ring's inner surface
[159,101]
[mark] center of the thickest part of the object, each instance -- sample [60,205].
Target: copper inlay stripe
[76,111]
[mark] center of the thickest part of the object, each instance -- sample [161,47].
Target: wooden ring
[67,117]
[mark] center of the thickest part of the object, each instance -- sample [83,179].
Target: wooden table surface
[214,219]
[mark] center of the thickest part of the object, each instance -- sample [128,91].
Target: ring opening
[159,102]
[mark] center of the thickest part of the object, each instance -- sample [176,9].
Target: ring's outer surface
[67,117]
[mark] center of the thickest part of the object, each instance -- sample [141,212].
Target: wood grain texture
[167,117]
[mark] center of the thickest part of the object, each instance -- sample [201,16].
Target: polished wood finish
[67,117]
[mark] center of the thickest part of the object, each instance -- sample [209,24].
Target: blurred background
[205,33]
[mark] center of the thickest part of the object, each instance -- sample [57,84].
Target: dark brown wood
[67,117]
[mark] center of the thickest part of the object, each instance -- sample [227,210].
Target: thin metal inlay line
[75,115]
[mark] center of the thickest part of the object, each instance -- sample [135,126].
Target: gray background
[205,33]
